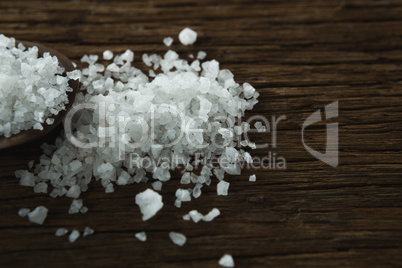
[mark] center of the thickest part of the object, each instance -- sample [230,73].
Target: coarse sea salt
[187,36]
[176,98]
[32,88]
[38,215]
[178,238]
[88,231]
[168,41]
[22,212]
[197,216]
[75,206]
[150,202]
[226,261]
[73,236]
[61,232]
[222,188]
[142,236]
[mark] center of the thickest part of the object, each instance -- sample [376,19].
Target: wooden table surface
[300,55]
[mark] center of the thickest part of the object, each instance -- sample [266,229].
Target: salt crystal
[178,238]
[222,188]
[211,215]
[252,178]
[226,261]
[73,236]
[38,215]
[123,178]
[195,215]
[183,195]
[197,190]
[177,203]
[74,75]
[109,188]
[247,157]
[107,55]
[113,68]
[84,210]
[88,231]
[168,41]
[150,202]
[252,145]
[75,206]
[127,56]
[142,236]
[187,36]
[157,185]
[41,187]
[248,90]
[22,212]
[49,121]
[201,55]
[38,126]
[30,164]
[74,191]
[61,232]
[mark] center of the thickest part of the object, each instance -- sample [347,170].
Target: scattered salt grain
[187,36]
[38,126]
[157,185]
[109,188]
[88,231]
[40,187]
[73,236]
[50,121]
[260,128]
[142,236]
[252,178]
[211,215]
[84,210]
[197,190]
[197,216]
[150,202]
[222,188]
[61,232]
[201,55]
[226,261]
[178,238]
[30,164]
[168,41]
[22,212]
[75,206]
[107,55]
[38,215]
[74,191]
[183,195]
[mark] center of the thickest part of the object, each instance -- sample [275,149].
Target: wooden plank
[300,55]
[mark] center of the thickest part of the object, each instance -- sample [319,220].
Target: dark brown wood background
[300,55]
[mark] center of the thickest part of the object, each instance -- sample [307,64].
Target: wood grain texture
[300,55]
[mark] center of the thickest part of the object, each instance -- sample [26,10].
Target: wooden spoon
[33,134]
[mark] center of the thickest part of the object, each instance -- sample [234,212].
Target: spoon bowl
[33,134]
